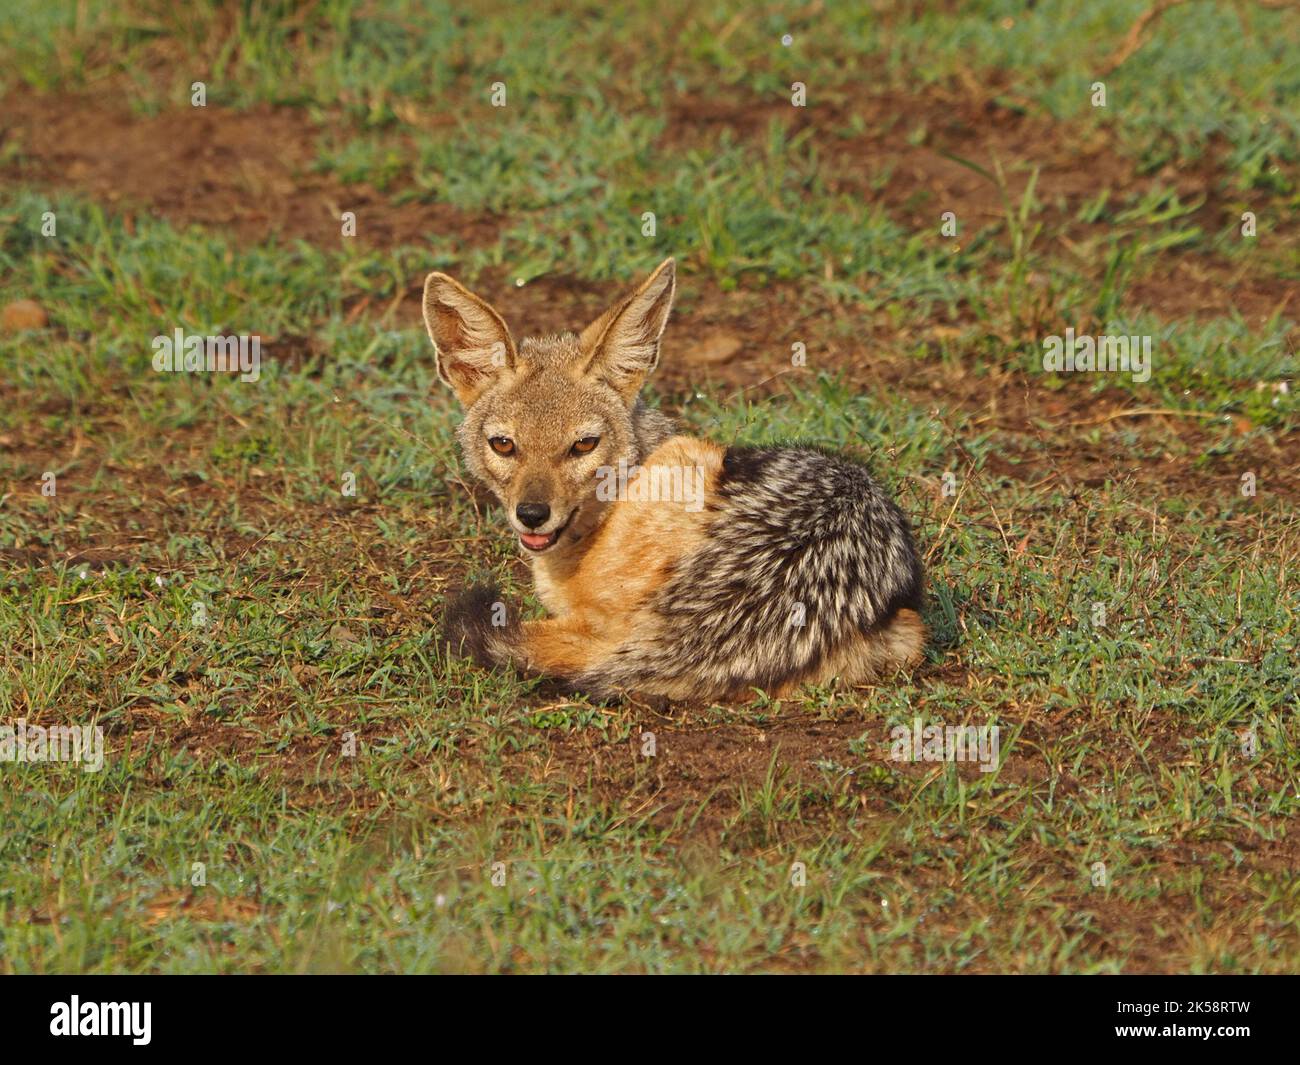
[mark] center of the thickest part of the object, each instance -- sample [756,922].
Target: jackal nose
[532,514]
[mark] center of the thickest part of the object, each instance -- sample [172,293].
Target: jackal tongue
[537,539]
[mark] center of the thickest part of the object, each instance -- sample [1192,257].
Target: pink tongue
[534,540]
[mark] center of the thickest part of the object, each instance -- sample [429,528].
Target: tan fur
[628,556]
[896,645]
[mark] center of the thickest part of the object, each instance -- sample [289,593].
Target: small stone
[340,633]
[24,314]
[714,347]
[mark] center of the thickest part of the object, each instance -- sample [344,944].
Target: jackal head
[545,420]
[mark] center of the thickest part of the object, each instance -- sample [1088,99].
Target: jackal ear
[471,344]
[622,345]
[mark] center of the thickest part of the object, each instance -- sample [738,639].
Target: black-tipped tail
[478,624]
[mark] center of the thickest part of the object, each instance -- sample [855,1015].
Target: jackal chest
[550,589]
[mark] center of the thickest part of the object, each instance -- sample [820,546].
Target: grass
[298,777]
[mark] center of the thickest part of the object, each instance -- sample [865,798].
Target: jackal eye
[502,445]
[586,445]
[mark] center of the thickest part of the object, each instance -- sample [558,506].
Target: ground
[298,777]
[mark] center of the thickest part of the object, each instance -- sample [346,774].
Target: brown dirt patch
[1199,286]
[908,159]
[248,173]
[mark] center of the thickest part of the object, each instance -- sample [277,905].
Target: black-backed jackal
[671,566]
